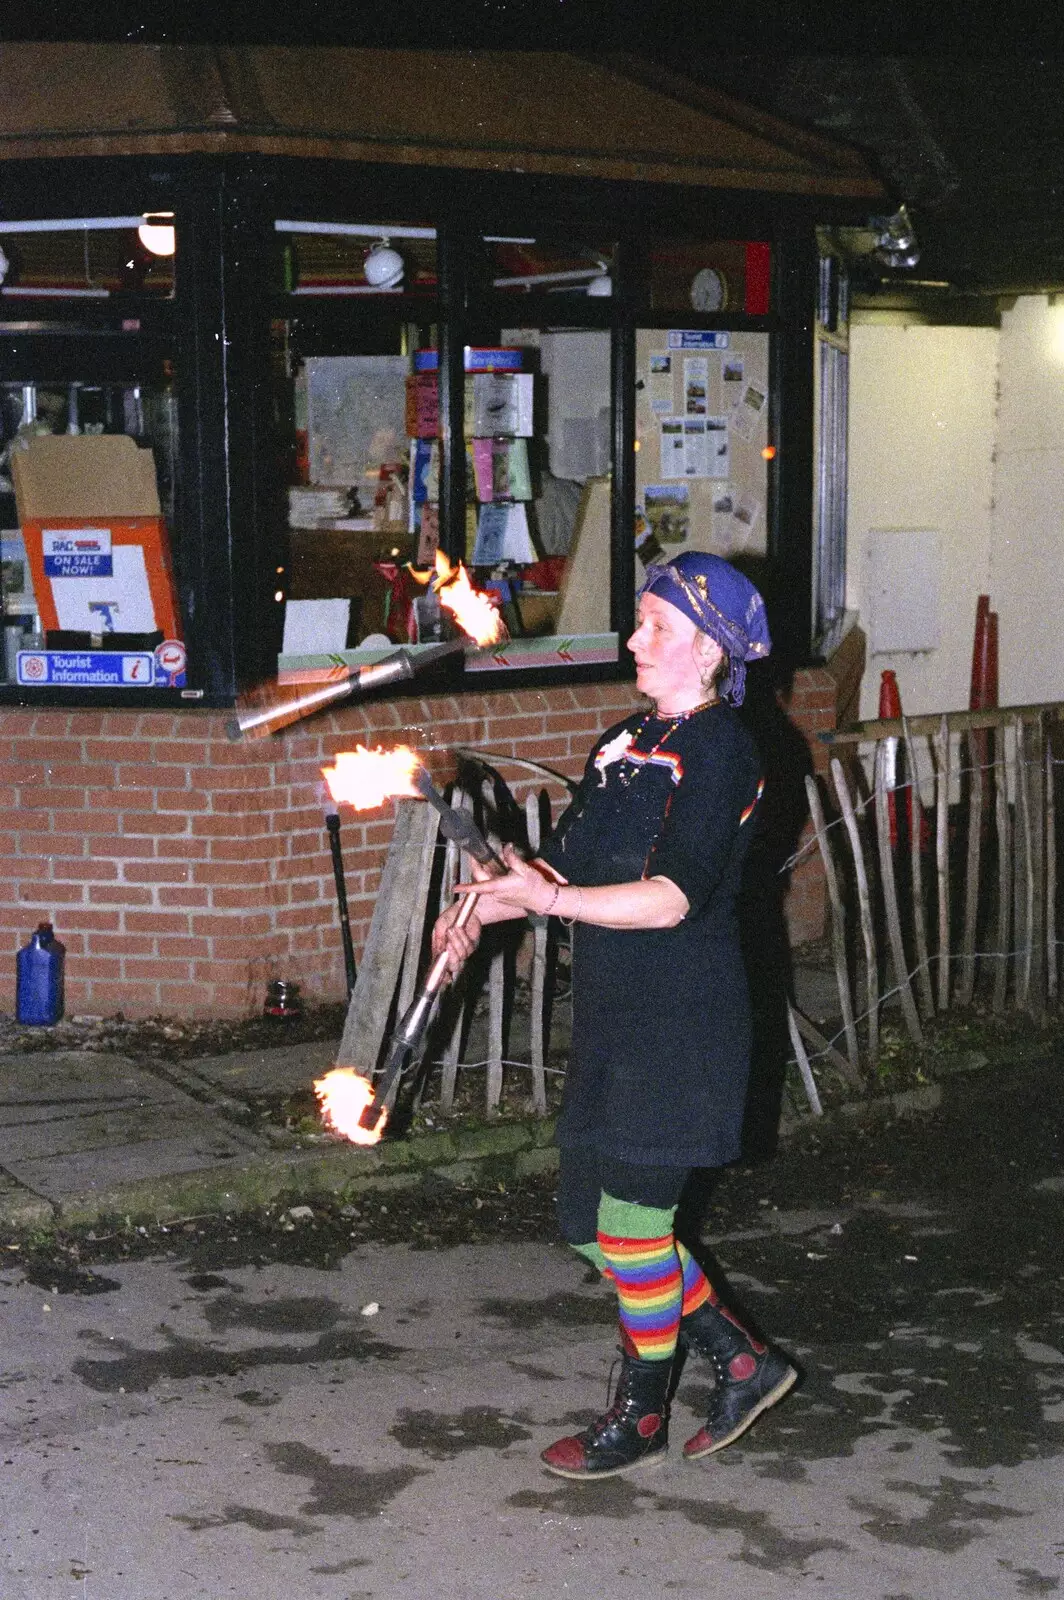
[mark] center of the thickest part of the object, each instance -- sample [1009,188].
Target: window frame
[219,320]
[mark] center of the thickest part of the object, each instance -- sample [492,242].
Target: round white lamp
[383,266]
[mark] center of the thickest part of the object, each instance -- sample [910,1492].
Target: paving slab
[281,1069]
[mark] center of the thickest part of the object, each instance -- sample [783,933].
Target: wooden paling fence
[418,881]
[939,902]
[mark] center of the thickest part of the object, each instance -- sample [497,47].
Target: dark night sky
[677,30]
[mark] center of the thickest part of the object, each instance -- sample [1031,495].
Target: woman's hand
[459,943]
[525,886]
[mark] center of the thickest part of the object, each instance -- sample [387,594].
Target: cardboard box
[95,538]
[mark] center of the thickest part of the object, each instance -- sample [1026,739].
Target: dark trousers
[584,1175]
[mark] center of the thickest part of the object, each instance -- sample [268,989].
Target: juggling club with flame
[410,1031]
[273,706]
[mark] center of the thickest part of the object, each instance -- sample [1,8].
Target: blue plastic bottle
[39,980]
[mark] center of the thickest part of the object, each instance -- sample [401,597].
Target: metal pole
[332,823]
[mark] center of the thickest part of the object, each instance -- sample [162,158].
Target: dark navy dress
[661,1024]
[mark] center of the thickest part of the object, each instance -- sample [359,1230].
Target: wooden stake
[923,958]
[864,901]
[814,1037]
[890,901]
[804,1068]
[540,934]
[1036,821]
[1023,876]
[496,1005]
[838,929]
[976,780]
[1004,850]
[942,862]
[1051,880]
[378,973]
[455,867]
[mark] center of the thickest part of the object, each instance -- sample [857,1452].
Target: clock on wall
[709,291]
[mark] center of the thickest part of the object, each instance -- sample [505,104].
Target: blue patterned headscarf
[722,603]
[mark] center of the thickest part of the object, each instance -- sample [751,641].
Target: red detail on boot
[565,1453]
[741,1367]
[729,1316]
[648,1426]
[700,1444]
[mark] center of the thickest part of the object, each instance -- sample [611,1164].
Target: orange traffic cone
[984,690]
[890,710]
[980,655]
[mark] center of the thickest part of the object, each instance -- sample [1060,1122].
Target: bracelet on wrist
[568,921]
[549,907]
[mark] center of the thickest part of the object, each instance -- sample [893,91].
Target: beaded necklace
[628,769]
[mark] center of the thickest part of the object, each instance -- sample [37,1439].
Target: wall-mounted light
[896,243]
[156,233]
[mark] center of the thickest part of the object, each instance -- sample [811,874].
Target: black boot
[633,1432]
[750,1376]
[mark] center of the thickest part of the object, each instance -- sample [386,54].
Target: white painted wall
[1027,543]
[962,430]
[922,426]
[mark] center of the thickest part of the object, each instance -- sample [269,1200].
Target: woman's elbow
[671,906]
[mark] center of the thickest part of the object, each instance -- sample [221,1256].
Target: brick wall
[182,872]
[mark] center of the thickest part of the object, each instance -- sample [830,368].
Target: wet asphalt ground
[349,1402]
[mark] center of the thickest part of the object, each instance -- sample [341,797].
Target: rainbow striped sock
[697,1288]
[649,1291]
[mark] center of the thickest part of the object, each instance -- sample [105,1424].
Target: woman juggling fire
[645,865]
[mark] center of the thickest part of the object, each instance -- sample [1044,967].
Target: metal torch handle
[415,1020]
[416,1017]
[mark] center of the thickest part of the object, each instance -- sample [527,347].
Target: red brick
[193,897]
[122,944]
[224,872]
[79,870]
[154,922]
[189,947]
[156,970]
[182,848]
[111,997]
[153,823]
[120,849]
[99,966]
[155,872]
[123,894]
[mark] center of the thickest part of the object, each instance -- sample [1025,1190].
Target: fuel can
[39,978]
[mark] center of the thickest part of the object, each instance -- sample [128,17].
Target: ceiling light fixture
[896,242]
[383,266]
[156,233]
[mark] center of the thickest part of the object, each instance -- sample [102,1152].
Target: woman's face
[673,658]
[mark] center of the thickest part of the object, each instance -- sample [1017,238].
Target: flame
[344,1094]
[474,611]
[365,778]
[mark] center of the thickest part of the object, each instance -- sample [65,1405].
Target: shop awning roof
[542,112]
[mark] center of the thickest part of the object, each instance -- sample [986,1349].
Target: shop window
[89,580]
[703,452]
[87,258]
[359,303]
[559,268]
[358,404]
[355,258]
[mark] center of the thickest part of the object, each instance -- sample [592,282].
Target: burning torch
[365,779]
[274,706]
